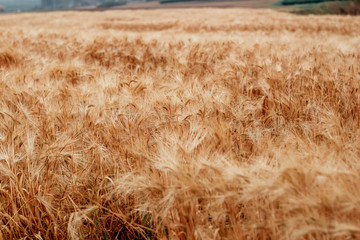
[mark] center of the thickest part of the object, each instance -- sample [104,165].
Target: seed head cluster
[179,124]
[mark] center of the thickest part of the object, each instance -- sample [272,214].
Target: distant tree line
[111,3]
[293,2]
[175,1]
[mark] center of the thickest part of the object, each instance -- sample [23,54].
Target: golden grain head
[179,124]
[9,57]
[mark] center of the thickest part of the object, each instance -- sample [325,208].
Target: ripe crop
[179,124]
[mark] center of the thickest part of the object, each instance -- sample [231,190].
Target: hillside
[16,5]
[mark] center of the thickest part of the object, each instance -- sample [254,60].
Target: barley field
[179,124]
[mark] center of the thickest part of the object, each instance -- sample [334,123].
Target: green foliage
[175,1]
[293,2]
[109,4]
[335,7]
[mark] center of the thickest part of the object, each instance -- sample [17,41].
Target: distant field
[179,124]
[201,4]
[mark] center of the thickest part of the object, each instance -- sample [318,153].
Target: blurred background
[351,7]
